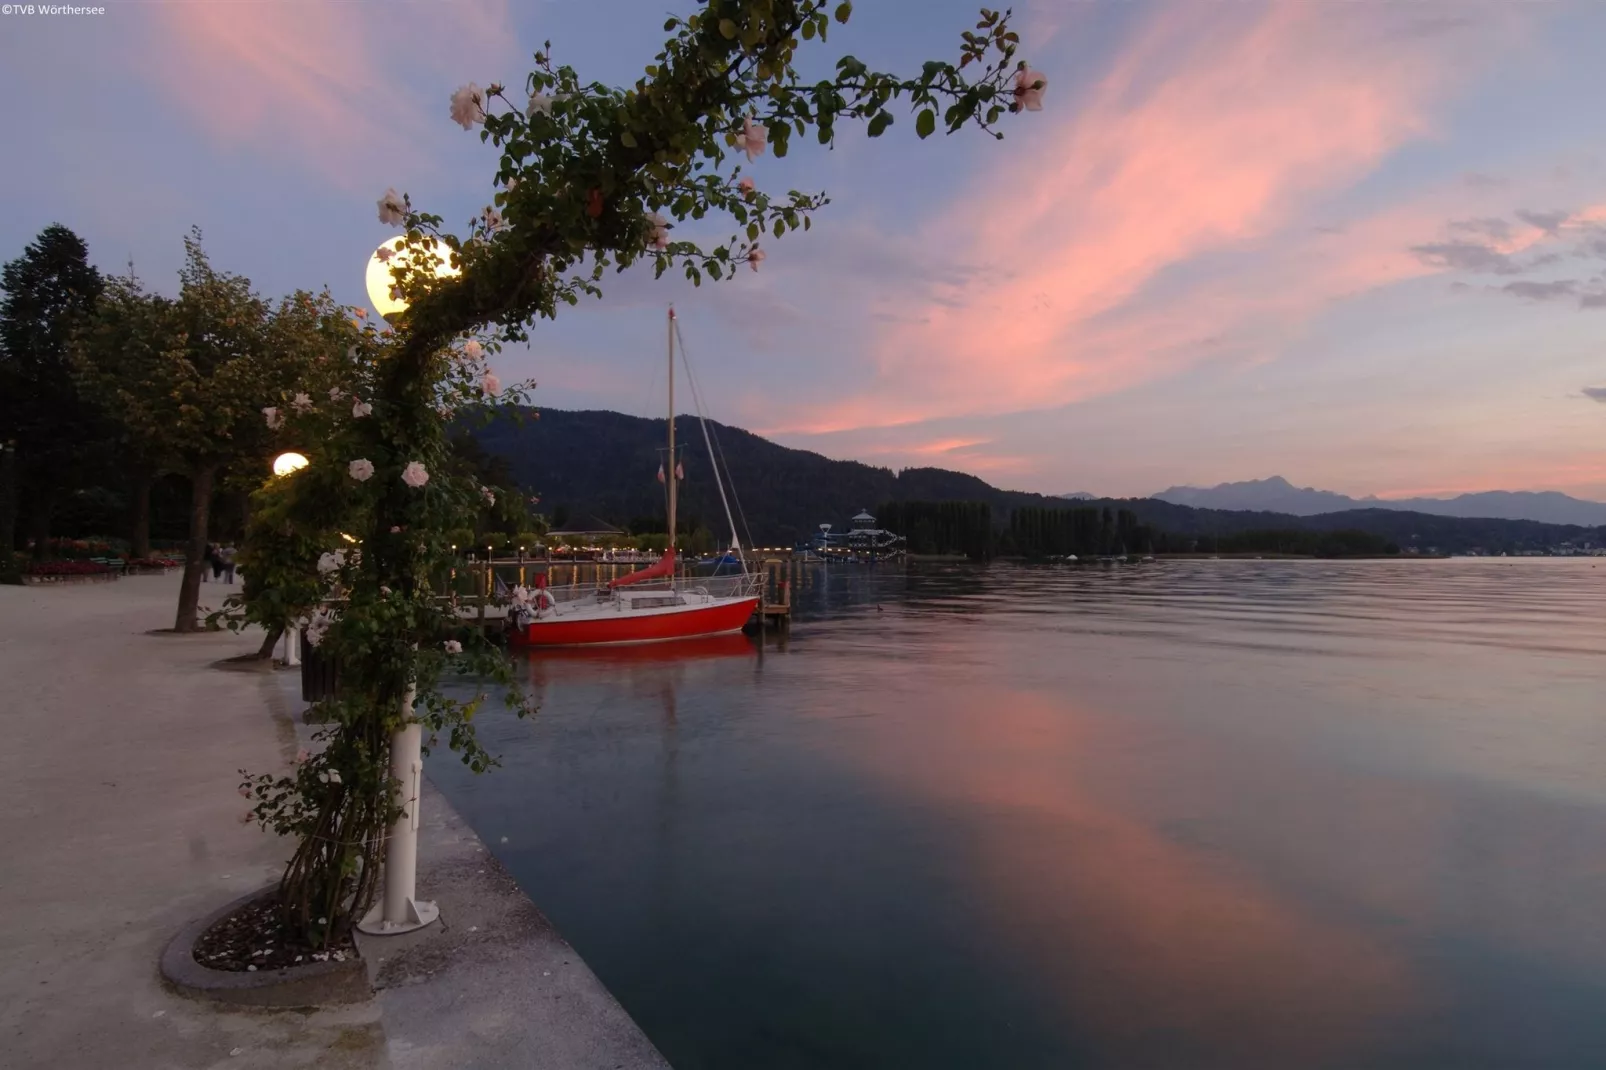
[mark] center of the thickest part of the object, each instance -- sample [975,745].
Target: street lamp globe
[286,463]
[380,280]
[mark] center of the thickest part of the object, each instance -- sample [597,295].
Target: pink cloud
[337,85]
[1215,134]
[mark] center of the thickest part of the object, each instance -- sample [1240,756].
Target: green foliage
[1037,532]
[49,290]
[186,379]
[585,176]
[351,547]
[1305,543]
[941,527]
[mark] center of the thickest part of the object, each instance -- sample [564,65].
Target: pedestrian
[212,561]
[227,556]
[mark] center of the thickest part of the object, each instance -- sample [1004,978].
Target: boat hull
[719,618]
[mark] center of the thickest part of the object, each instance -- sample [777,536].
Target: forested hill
[605,464]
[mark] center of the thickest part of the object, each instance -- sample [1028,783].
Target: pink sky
[1358,245]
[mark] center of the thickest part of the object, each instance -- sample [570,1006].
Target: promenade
[119,776]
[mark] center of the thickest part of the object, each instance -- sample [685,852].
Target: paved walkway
[118,776]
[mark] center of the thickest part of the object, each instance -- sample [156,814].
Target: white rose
[392,209]
[468,106]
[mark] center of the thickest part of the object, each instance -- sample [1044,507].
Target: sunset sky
[1360,245]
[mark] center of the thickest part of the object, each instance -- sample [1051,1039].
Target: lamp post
[283,465]
[400,910]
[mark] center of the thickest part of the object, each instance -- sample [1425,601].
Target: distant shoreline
[1304,557]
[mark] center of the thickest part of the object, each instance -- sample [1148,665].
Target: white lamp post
[283,465]
[400,910]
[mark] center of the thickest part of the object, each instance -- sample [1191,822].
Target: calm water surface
[1183,814]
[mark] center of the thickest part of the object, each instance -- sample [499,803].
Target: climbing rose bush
[589,178]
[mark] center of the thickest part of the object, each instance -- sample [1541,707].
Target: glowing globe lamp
[380,280]
[286,463]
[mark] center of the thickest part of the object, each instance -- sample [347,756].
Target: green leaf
[727,29]
[926,123]
[714,272]
[627,139]
[752,232]
[808,31]
[780,227]
[844,11]
[880,123]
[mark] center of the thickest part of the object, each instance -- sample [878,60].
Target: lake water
[1190,814]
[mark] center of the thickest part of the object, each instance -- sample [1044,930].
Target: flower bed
[79,549]
[65,568]
[150,566]
[41,572]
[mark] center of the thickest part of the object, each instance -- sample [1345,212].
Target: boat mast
[670,465]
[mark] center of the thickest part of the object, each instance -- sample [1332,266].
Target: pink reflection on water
[1154,946]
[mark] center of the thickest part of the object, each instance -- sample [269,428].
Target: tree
[186,378]
[586,174]
[49,289]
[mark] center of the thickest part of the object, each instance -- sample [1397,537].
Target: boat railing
[732,586]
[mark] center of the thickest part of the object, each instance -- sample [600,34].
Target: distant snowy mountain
[1277,495]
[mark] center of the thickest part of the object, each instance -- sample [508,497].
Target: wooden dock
[479,607]
[774,616]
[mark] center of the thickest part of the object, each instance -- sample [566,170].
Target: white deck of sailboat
[640,603]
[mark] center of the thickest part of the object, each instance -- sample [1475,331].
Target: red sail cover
[664,566]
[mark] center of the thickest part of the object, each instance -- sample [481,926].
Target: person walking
[227,556]
[212,561]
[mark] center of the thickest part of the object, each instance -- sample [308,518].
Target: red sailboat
[649,606]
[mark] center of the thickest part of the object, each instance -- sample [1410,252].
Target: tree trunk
[268,643]
[139,514]
[189,594]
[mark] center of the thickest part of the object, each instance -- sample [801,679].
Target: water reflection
[1232,814]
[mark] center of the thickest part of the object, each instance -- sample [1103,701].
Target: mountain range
[605,464]
[1280,496]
